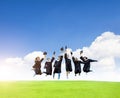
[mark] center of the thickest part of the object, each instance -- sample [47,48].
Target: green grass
[59,89]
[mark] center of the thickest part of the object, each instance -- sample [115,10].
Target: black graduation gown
[68,63]
[37,66]
[57,65]
[48,67]
[86,67]
[77,65]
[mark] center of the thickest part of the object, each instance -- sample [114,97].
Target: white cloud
[108,44]
[31,56]
[19,68]
[105,48]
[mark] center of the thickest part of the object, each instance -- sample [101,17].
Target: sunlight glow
[6,73]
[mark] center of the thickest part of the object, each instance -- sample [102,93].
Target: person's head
[85,58]
[68,56]
[76,59]
[37,58]
[48,59]
[58,58]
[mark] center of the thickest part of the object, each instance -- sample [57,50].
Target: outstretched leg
[53,75]
[67,72]
[58,75]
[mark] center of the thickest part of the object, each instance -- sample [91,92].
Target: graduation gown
[57,65]
[86,67]
[37,66]
[68,64]
[48,67]
[77,65]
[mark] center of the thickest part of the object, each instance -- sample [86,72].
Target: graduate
[68,64]
[86,67]
[48,65]
[37,65]
[81,55]
[57,66]
[77,64]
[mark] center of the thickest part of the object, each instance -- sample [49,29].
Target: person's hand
[65,47]
[54,53]
[81,52]
[62,49]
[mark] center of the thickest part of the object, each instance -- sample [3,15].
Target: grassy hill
[59,89]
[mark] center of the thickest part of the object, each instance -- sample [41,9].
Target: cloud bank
[105,48]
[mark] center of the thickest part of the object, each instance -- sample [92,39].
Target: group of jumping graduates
[57,64]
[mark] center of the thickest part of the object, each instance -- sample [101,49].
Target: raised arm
[61,57]
[81,57]
[73,58]
[44,53]
[93,60]
[53,57]
[65,55]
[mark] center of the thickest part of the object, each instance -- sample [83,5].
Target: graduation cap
[62,49]
[81,51]
[45,53]
[65,47]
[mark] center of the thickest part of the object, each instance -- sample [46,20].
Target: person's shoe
[90,71]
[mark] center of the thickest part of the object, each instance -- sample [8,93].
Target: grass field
[59,89]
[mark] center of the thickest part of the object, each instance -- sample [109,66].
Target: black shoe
[90,70]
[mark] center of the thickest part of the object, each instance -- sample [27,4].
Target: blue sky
[46,25]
